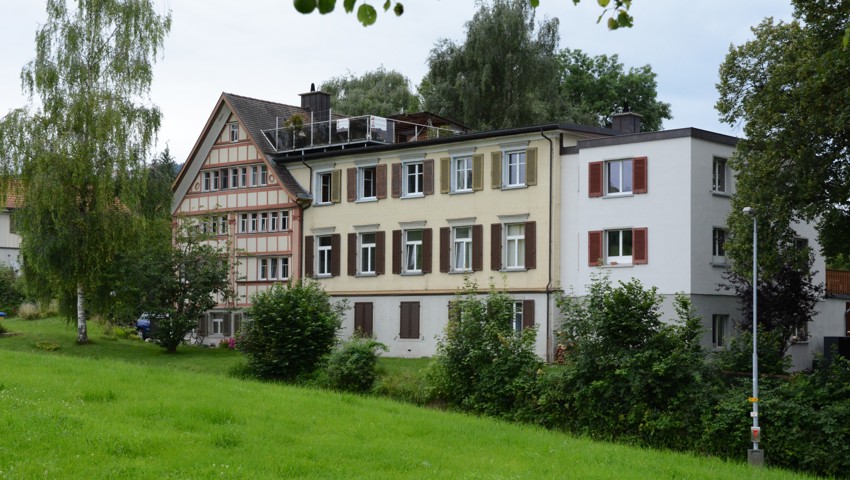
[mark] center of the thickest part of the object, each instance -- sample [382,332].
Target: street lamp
[754,455]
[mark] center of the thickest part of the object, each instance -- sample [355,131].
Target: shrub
[10,291]
[482,364]
[47,346]
[2,328]
[290,328]
[29,311]
[352,367]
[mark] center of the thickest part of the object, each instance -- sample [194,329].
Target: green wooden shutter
[336,181]
[445,172]
[496,170]
[478,172]
[531,167]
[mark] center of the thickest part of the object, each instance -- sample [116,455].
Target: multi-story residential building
[10,241]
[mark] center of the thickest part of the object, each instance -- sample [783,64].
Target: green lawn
[78,413]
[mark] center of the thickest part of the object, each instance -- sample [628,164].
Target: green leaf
[846,40]
[612,23]
[349,5]
[304,6]
[534,3]
[399,9]
[387,5]
[326,6]
[603,3]
[367,14]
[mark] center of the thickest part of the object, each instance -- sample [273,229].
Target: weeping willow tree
[72,152]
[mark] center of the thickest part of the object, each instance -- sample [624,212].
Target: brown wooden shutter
[478,172]
[496,170]
[527,313]
[380,253]
[396,180]
[351,184]
[202,324]
[427,249]
[594,248]
[530,245]
[352,254]
[594,182]
[225,325]
[639,175]
[397,249]
[403,321]
[445,249]
[409,321]
[477,248]
[531,167]
[640,248]
[428,177]
[445,174]
[358,317]
[496,246]
[414,319]
[381,178]
[309,252]
[335,254]
[336,186]
[363,316]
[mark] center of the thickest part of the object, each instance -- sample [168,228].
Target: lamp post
[754,455]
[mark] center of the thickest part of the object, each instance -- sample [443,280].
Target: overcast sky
[264,49]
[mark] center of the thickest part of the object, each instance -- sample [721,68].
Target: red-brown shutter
[640,247]
[527,313]
[530,245]
[445,249]
[308,255]
[363,314]
[352,254]
[477,248]
[409,321]
[381,178]
[397,249]
[335,254]
[427,249]
[351,184]
[594,181]
[368,316]
[594,248]
[639,175]
[496,246]
[396,180]
[380,253]
[428,177]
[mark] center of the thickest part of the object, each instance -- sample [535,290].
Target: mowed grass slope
[68,416]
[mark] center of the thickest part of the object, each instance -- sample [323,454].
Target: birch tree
[87,129]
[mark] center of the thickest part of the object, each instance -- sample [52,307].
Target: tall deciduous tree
[789,87]
[503,75]
[74,150]
[379,92]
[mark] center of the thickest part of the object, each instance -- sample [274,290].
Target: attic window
[234,132]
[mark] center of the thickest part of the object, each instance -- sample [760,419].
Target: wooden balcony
[838,282]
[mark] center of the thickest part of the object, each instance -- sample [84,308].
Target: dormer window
[234,132]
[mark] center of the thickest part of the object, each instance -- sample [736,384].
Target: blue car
[143,326]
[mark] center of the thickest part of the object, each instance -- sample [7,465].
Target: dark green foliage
[290,329]
[627,374]
[379,92]
[352,367]
[11,294]
[738,356]
[482,364]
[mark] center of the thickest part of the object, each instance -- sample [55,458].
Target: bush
[352,367]
[290,328]
[10,291]
[29,311]
[482,364]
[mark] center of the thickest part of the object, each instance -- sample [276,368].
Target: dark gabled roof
[652,137]
[258,115]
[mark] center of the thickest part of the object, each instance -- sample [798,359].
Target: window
[718,182]
[517,320]
[367,183]
[216,180]
[243,177]
[234,177]
[801,243]
[13,224]
[618,247]
[324,252]
[264,222]
[618,177]
[515,246]
[462,174]
[413,251]
[514,169]
[243,223]
[255,170]
[409,321]
[462,249]
[217,324]
[413,179]
[367,254]
[719,330]
[718,246]
[363,314]
[284,220]
[252,225]
[234,132]
[801,334]
[327,187]
[273,268]
[224,177]
[207,186]
[264,175]
[222,225]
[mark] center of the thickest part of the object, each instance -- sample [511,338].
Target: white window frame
[262,268]
[517,316]
[619,259]
[252,223]
[367,183]
[720,175]
[461,260]
[625,176]
[217,325]
[234,177]
[243,223]
[514,168]
[718,250]
[264,175]
[719,330]
[320,187]
[234,132]
[413,249]
[416,176]
[264,222]
[222,225]
[513,253]
[324,256]
[255,172]
[367,249]
[461,174]
[283,225]
[206,184]
[243,177]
